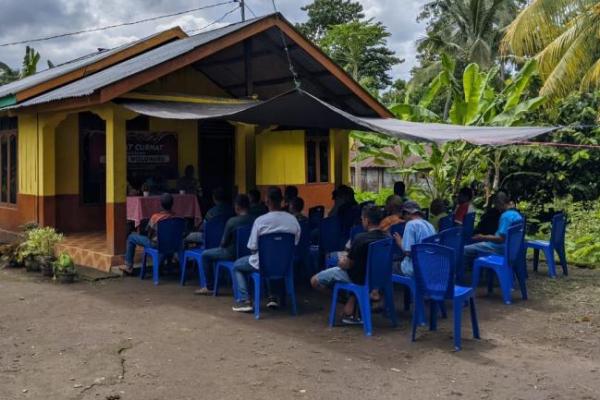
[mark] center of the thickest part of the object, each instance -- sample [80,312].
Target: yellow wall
[67,156]
[244,159]
[187,80]
[280,158]
[28,157]
[187,138]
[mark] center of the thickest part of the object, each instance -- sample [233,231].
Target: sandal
[203,292]
[126,270]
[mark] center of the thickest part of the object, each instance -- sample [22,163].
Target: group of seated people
[282,213]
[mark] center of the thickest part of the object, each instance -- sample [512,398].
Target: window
[8,161]
[317,156]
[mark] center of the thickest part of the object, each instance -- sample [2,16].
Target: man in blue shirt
[417,229]
[494,244]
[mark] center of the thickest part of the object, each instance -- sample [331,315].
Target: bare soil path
[126,339]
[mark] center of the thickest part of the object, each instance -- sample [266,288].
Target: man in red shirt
[136,239]
[465,195]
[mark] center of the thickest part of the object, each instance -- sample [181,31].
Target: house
[70,140]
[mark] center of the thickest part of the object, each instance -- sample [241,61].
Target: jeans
[196,238]
[241,270]
[133,240]
[210,257]
[475,250]
[329,277]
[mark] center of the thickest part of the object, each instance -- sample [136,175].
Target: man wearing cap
[417,229]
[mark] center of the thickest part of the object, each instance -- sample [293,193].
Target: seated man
[135,239]
[495,243]
[296,207]
[353,267]
[438,211]
[400,191]
[417,229]
[257,207]
[290,193]
[226,250]
[465,195]
[220,209]
[188,183]
[393,208]
[275,221]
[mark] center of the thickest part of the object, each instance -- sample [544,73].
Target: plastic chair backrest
[446,223]
[559,228]
[399,229]
[434,267]
[242,235]
[213,231]
[356,229]
[315,215]
[303,247]
[349,218]
[379,264]
[330,235]
[276,254]
[468,226]
[169,233]
[514,244]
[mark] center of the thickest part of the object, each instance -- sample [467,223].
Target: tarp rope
[287,51]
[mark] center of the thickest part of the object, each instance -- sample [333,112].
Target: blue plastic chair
[506,266]
[399,229]
[446,223]
[213,233]
[356,229]
[378,276]
[452,238]
[468,228]
[302,251]
[434,274]
[242,235]
[169,235]
[329,241]
[276,262]
[556,243]
[315,215]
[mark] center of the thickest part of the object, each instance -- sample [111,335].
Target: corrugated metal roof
[60,70]
[88,85]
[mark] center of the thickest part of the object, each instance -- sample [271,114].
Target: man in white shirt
[275,221]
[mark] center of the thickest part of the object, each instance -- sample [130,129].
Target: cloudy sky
[27,19]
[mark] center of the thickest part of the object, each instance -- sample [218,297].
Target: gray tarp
[301,109]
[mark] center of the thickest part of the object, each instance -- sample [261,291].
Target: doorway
[216,164]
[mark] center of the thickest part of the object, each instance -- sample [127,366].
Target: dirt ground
[126,339]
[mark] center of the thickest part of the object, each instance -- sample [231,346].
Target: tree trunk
[447,105]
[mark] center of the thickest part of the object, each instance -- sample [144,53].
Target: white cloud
[27,19]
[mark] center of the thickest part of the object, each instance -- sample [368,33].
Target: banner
[149,153]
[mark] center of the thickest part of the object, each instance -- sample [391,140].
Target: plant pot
[31,264]
[146,194]
[46,265]
[65,277]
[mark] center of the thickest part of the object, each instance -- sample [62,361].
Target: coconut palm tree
[7,74]
[563,36]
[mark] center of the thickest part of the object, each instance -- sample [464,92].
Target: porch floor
[89,249]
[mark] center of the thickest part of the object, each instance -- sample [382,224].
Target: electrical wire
[216,21]
[287,51]
[103,28]
[249,9]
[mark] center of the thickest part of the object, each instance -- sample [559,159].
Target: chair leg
[475,277]
[458,308]
[474,322]
[506,285]
[143,269]
[490,282]
[289,283]
[201,274]
[183,271]
[333,306]
[549,253]
[522,279]
[389,305]
[364,303]
[563,260]
[155,268]
[407,298]
[443,310]
[432,316]
[257,284]
[415,322]
[536,259]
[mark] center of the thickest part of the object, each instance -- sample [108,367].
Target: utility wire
[103,28]
[216,21]
[249,9]
[287,51]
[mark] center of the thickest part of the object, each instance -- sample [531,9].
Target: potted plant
[37,251]
[8,255]
[64,269]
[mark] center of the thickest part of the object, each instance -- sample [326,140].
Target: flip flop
[125,270]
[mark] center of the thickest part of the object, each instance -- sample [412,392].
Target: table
[140,208]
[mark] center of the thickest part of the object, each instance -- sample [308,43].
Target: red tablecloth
[184,205]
